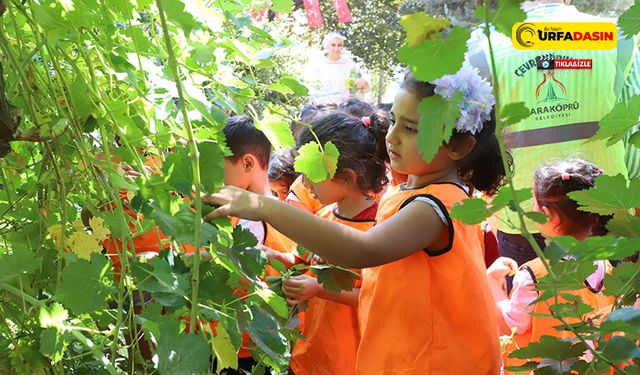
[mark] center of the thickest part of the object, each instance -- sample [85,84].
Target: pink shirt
[518,308]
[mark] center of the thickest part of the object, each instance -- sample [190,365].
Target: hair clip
[366,121]
[566,176]
[601,171]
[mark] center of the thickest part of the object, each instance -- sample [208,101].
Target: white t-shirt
[327,79]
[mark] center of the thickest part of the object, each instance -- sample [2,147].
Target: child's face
[327,191]
[335,48]
[402,138]
[280,188]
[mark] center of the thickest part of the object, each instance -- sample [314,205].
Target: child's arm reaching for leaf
[298,289]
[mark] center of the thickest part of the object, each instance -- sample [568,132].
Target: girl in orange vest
[552,182]
[330,329]
[424,305]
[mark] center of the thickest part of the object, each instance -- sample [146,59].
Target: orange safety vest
[330,328]
[298,193]
[430,312]
[545,326]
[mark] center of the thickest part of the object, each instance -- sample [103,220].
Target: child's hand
[298,289]
[288,259]
[501,268]
[236,202]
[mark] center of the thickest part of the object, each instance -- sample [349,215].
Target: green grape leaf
[178,167]
[513,113]
[624,319]
[276,129]
[611,194]
[276,302]
[507,13]
[504,198]
[622,117]
[223,348]
[263,329]
[53,344]
[281,6]
[53,316]
[437,120]
[445,55]
[214,282]
[629,21]
[180,225]
[181,353]
[211,163]
[620,348]
[634,139]
[82,288]
[176,13]
[421,26]
[550,347]
[81,99]
[624,225]
[623,275]
[18,262]
[470,211]
[248,259]
[297,88]
[317,165]
[158,277]
[537,217]
[574,309]
[334,279]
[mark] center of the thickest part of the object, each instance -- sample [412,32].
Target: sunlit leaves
[333,278]
[264,332]
[550,347]
[471,211]
[513,113]
[316,164]
[180,226]
[275,127]
[629,21]
[53,316]
[223,348]
[446,55]
[507,13]
[437,121]
[421,26]
[176,13]
[181,353]
[168,286]
[622,117]
[611,194]
[83,289]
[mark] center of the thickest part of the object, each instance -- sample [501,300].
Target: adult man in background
[566,106]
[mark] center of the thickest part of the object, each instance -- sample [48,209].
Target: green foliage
[507,13]
[446,54]
[437,121]
[629,21]
[611,194]
[333,278]
[83,289]
[622,117]
[317,164]
[513,113]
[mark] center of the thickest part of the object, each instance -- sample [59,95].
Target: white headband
[331,36]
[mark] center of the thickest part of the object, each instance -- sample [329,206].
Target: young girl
[552,182]
[331,321]
[281,173]
[424,305]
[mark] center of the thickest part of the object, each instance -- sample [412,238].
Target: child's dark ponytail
[361,145]
[483,168]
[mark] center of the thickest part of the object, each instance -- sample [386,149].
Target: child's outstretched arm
[415,227]
[300,288]
[496,276]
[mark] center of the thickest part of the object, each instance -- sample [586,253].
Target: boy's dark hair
[242,138]
[482,169]
[281,167]
[356,108]
[552,182]
[362,148]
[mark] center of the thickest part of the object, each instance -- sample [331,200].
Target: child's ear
[349,176]
[460,147]
[248,162]
[552,217]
